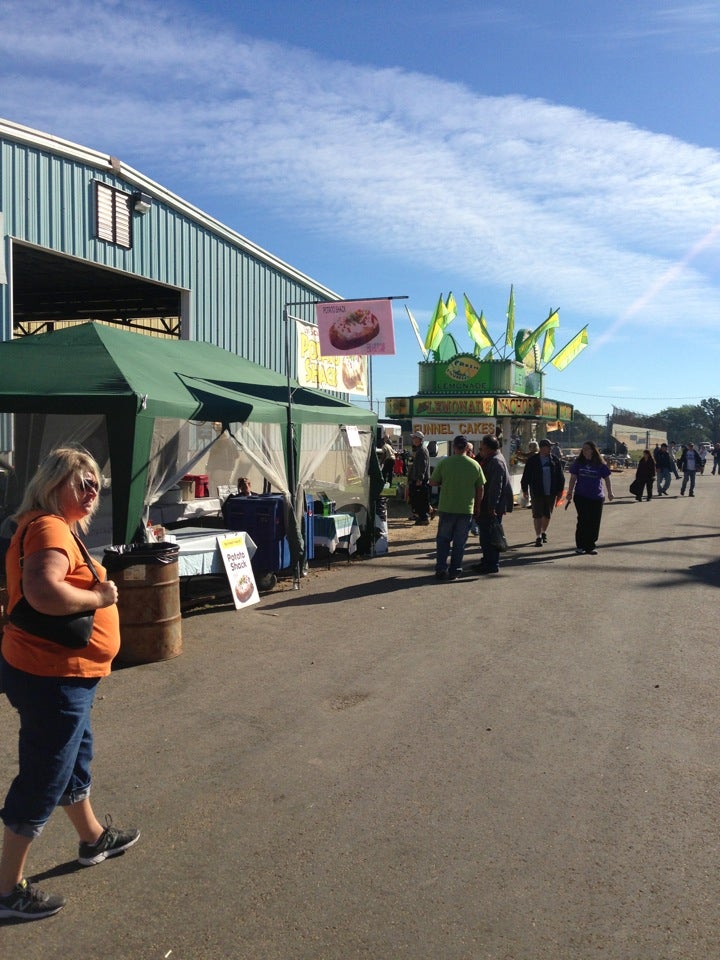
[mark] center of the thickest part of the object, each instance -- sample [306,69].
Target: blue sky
[412,148]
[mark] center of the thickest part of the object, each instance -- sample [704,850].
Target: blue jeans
[688,475]
[663,479]
[55,746]
[453,528]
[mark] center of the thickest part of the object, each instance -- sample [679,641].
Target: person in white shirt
[689,463]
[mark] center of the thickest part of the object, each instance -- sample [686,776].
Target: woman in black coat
[644,476]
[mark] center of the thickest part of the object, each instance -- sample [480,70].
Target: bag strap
[83,550]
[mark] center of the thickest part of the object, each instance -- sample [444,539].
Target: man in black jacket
[664,466]
[419,480]
[543,476]
[495,503]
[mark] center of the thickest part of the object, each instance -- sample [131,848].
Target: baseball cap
[419,435]
[545,443]
[460,442]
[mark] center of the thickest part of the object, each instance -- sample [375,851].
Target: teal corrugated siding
[236,291]
[236,298]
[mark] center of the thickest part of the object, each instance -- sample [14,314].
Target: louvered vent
[112,212]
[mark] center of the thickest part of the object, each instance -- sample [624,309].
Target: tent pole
[291,442]
[372,511]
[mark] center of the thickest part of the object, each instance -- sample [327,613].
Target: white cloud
[572,208]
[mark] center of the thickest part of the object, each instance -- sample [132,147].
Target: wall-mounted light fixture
[141,202]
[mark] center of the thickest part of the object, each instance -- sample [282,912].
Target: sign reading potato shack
[345,374]
[236,558]
[356,326]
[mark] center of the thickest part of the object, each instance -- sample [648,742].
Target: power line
[611,396]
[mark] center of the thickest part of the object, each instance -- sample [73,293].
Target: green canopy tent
[124,386]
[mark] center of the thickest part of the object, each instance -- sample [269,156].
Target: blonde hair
[59,466]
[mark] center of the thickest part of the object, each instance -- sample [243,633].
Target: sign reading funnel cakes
[354,330]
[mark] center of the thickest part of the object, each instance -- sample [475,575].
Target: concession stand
[475,394]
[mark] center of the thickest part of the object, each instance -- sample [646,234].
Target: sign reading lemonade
[465,373]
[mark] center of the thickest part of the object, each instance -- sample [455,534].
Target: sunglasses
[91,486]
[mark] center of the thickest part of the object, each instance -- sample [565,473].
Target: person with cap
[664,466]
[418,480]
[461,483]
[544,478]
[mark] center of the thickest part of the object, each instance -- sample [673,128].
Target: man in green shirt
[461,484]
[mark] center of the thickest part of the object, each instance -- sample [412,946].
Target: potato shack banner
[356,327]
[346,374]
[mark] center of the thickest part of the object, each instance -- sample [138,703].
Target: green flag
[552,321]
[476,326]
[510,329]
[568,353]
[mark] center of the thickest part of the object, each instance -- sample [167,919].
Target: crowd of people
[475,492]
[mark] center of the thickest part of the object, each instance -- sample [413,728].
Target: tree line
[697,422]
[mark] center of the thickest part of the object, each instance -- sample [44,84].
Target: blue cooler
[263,518]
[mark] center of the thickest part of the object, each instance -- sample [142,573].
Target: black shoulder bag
[71,630]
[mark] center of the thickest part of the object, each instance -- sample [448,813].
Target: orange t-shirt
[43,658]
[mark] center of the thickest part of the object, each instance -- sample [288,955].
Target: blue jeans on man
[452,534]
[688,475]
[664,475]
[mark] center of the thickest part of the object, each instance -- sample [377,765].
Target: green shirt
[459,478]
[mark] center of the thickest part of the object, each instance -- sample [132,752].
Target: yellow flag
[568,353]
[510,329]
[476,325]
[548,347]
[437,324]
[552,321]
[451,308]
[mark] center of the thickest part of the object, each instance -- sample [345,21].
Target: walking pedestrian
[689,463]
[665,466]
[588,473]
[644,476]
[51,684]
[544,478]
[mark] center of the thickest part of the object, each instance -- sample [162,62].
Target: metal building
[85,237]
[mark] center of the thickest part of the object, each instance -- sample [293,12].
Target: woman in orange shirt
[50,685]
